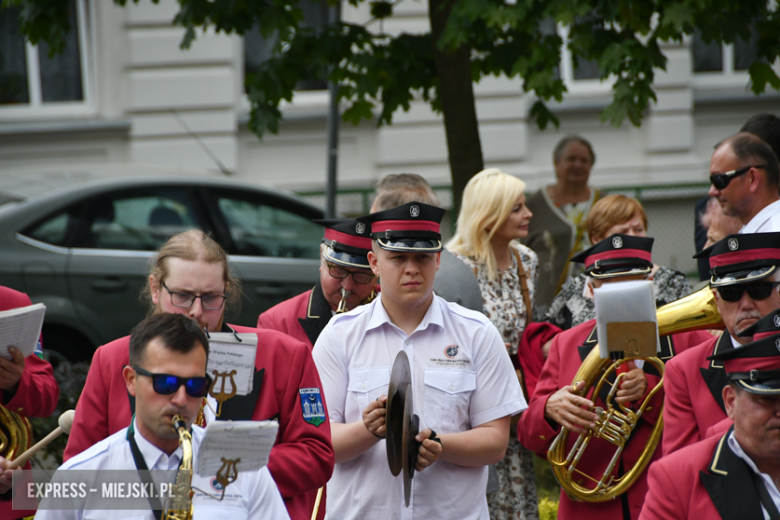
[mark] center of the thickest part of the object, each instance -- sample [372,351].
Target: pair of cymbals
[402,424]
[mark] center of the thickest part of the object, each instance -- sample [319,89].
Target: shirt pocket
[366,384]
[219,513]
[447,398]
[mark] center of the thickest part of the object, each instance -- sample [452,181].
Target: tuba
[615,424]
[180,506]
[15,434]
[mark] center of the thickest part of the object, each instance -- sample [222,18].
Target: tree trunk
[456,92]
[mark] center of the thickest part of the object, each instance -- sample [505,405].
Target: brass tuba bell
[694,312]
[15,434]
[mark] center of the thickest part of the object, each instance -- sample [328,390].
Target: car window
[52,231]
[259,229]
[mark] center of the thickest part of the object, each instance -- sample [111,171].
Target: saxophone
[180,506]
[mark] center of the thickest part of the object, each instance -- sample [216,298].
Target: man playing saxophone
[345,282]
[167,377]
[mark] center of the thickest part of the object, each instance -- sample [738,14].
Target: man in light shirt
[167,377]
[745,178]
[734,475]
[464,386]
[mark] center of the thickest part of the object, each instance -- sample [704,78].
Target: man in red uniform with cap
[745,278]
[27,387]
[344,267]
[191,277]
[556,402]
[732,476]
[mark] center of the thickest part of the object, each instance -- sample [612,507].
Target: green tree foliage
[379,73]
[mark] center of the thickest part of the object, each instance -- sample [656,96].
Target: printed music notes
[21,328]
[250,441]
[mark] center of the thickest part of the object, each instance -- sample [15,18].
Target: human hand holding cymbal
[430,450]
[374,417]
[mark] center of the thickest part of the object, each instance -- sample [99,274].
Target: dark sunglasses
[721,180]
[756,291]
[166,384]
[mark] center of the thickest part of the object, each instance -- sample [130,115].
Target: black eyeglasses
[756,291]
[721,180]
[210,302]
[341,273]
[166,384]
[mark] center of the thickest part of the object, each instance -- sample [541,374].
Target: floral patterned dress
[504,305]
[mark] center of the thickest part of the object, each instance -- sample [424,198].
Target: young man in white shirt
[167,377]
[464,385]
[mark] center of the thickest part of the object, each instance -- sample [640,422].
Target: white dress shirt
[462,377]
[766,221]
[253,495]
[768,482]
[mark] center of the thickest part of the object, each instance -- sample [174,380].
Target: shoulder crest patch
[311,406]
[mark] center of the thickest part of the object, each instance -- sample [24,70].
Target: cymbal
[409,445]
[400,385]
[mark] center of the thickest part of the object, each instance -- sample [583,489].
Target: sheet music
[251,441]
[21,328]
[623,301]
[226,354]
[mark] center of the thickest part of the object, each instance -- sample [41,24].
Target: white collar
[761,217]
[379,315]
[151,453]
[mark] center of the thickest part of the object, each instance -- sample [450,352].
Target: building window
[724,59]
[29,78]
[257,49]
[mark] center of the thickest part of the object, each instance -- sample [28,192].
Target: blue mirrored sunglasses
[167,384]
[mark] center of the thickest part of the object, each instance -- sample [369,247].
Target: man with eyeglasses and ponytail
[745,271]
[190,276]
[745,178]
[167,376]
[343,267]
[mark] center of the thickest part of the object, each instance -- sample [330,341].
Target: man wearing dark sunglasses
[744,174]
[745,271]
[344,267]
[167,377]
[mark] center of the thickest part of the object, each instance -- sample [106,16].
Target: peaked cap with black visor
[755,367]
[617,255]
[411,228]
[347,242]
[742,258]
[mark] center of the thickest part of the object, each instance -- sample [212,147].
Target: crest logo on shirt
[451,351]
[617,242]
[414,210]
[733,244]
[360,228]
[311,406]
[216,485]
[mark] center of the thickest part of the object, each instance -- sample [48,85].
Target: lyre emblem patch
[617,242]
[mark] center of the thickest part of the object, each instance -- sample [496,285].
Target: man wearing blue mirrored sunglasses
[744,177]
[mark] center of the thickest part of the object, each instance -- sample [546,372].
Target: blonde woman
[493,216]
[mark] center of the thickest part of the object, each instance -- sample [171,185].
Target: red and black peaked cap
[618,255]
[742,258]
[755,367]
[347,242]
[411,228]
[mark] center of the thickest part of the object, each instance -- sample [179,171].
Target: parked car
[82,246]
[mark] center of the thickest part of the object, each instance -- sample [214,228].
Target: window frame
[727,77]
[36,108]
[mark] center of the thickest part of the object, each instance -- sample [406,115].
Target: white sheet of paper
[21,328]
[623,301]
[250,441]
[226,354]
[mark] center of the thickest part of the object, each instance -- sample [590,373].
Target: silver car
[83,247]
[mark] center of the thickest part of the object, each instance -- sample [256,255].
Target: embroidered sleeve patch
[311,405]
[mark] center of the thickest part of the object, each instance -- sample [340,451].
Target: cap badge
[777,321]
[360,228]
[733,244]
[414,211]
[617,242]
[777,344]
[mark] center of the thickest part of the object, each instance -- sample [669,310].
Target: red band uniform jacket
[567,352]
[302,459]
[36,395]
[303,317]
[703,480]
[693,394]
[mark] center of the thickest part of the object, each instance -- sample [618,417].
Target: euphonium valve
[616,423]
[180,506]
[343,303]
